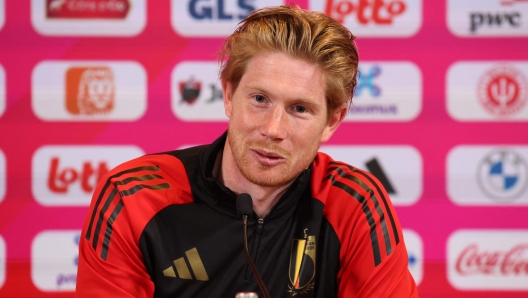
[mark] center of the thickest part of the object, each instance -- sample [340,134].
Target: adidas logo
[182,267]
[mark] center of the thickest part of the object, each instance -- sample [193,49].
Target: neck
[264,198]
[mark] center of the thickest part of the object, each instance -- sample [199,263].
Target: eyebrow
[299,100]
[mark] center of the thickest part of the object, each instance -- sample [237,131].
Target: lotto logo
[212,17]
[491,18]
[68,175]
[54,260]
[487,175]
[3,175]
[488,91]
[374,18]
[196,92]
[89,17]
[387,91]
[414,246]
[89,91]
[3,258]
[398,168]
[2,90]
[488,259]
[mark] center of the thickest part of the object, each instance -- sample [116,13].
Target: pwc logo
[3,259]
[488,91]
[54,260]
[89,91]
[212,18]
[488,259]
[387,91]
[488,175]
[398,168]
[3,176]
[196,92]
[488,18]
[2,90]
[88,17]
[68,175]
[374,18]
[414,245]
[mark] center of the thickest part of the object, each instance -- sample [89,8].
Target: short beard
[242,162]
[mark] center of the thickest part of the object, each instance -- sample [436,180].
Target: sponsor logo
[488,91]
[212,17]
[87,9]
[3,258]
[487,18]
[388,91]
[89,91]
[488,259]
[68,175]
[196,92]
[503,174]
[89,17]
[196,265]
[2,90]
[302,265]
[2,14]
[502,90]
[487,175]
[3,175]
[54,260]
[389,18]
[414,245]
[398,168]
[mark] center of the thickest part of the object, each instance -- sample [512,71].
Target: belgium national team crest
[302,265]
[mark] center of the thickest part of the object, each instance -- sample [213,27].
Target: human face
[278,118]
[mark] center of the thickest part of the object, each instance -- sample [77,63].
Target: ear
[334,120]
[228,94]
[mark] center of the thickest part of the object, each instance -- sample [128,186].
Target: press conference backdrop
[439,116]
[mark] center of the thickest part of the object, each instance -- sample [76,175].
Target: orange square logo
[90,90]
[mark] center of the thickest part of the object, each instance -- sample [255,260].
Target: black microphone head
[244,205]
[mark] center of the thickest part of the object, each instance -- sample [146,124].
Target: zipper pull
[260,224]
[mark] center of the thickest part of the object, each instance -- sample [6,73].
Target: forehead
[285,76]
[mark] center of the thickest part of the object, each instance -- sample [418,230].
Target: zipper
[254,249]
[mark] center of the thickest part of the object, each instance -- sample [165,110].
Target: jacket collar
[224,199]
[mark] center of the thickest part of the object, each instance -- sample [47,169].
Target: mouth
[266,158]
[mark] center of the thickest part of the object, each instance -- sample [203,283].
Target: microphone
[244,205]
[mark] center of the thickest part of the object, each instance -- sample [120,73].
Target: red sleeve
[110,261]
[373,256]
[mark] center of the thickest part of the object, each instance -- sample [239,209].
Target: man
[166,225]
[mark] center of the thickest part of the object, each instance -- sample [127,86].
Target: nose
[275,124]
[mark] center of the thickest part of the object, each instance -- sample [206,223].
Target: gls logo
[89,90]
[488,91]
[54,260]
[68,175]
[398,168]
[212,17]
[374,18]
[196,93]
[488,17]
[387,91]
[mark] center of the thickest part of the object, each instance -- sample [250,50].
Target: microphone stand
[250,261]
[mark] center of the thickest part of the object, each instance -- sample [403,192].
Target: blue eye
[300,109]
[259,98]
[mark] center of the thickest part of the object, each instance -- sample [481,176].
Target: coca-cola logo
[60,178]
[380,12]
[512,262]
[87,9]
[502,90]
